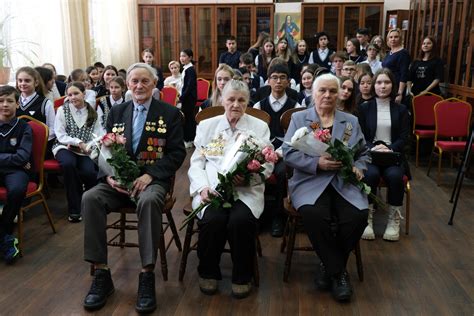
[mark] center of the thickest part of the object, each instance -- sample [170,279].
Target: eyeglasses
[349,69]
[281,78]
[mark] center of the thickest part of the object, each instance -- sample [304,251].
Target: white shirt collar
[281,100]
[112,101]
[323,50]
[187,66]
[28,98]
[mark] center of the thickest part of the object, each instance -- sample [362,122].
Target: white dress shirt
[384,121]
[276,104]
[48,113]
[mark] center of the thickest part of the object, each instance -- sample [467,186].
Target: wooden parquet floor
[429,272]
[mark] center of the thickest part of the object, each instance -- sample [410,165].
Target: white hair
[145,66]
[236,85]
[326,77]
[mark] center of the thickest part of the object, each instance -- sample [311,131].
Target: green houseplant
[9,47]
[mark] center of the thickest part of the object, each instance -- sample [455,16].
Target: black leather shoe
[277,227]
[102,287]
[323,280]
[146,298]
[341,287]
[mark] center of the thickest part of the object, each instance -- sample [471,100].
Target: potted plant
[8,47]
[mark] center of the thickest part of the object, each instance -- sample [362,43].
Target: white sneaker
[369,230]
[188,144]
[392,231]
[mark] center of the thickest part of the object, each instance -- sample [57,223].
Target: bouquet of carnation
[317,142]
[245,158]
[114,161]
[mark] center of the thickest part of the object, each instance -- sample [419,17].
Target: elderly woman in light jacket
[334,213]
[238,224]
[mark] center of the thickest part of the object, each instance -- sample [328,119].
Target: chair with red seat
[34,193]
[59,102]
[203,87]
[423,118]
[452,122]
[169,95]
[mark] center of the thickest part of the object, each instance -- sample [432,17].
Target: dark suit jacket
[61,87]
[367,113]
[166,138]
[189,90]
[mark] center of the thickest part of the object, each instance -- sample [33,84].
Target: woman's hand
[114,184]
[380,147]
[206,194]
[359,174]
[328,164]
[398,98]
[238,180]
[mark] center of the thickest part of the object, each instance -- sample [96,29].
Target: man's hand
[140,184]
[114,184]
[329,164]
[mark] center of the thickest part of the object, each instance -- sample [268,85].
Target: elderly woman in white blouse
[238,225]
[75,124]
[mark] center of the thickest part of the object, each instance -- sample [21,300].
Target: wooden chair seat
[188,246]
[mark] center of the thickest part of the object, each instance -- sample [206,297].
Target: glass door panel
[372,19]
[185,27]
[351,22]
[263,20]
[244,27]
[224,28]
[310,26]
[165,41]
[331,25]
[204,43]
[148,36]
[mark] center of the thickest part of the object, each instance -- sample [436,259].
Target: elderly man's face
[141,83]
[325,94]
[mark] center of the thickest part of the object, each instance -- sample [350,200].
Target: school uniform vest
[84,133]
[105,105]
[323,63]
[35,108]
[275,127]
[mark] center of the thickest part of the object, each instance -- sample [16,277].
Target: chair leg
[48,212]
[438,178]
[177,241]
[360,267]
[20,232]
[164,264]
[186,248]
[417,151]
[430,161]
[285,236]
[290,247]
[123,223]
[407,212]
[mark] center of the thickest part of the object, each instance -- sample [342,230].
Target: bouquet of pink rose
[114,160]
[246,159]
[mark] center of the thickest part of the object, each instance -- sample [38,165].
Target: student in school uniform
[16,139]
[222,75]
[188,96]
[275,105]
[117,90]
[59,88]
[76,124]
[175,79]
[103,87]
[353,50]
[262,61]
[81,76]
[247,61]
[300,58]
[322,55]
[33,101]
[93,75]
[232,56]
[148,57]
[48,81]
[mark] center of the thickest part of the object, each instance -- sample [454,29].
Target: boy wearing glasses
[349,69]
[275,105]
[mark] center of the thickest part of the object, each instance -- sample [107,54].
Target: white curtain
[114,31]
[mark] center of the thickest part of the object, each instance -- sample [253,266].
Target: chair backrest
[452,118]
[58,102]
[285,118]
[219,110]
[170,95]
[40,141]
[203,87]
[423,113]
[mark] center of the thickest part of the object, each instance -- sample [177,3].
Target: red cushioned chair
[452,121]
[423,118]
[58,102]
[35,188]
[170,95]
[203,87]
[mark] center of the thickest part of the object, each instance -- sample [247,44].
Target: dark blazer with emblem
[169,139]
[308,182]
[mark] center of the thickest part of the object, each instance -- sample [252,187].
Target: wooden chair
[203,87]
[423,118]
[452,123]
[169,95]
[294,220]
[34,193]
[190,227]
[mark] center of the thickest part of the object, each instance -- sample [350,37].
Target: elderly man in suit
[154,136]
[334,213]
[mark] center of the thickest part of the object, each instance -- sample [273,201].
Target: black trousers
[16,182]
[188,106]
[77,170]
[333,249]
[393,177]
[279,189]
[237,225]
